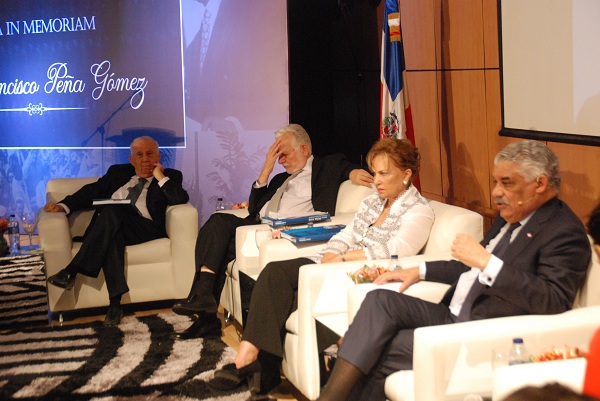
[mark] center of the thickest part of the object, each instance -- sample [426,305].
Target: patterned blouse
[404,231]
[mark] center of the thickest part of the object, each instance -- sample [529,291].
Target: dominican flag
[396,119]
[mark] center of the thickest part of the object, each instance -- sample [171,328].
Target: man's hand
[159,171]
[270,159]
[52,207]
[407,276]
[361,177]
[470,252]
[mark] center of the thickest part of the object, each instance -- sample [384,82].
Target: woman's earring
[405,182]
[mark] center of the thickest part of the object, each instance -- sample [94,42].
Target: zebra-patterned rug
[23,301]
[135,361]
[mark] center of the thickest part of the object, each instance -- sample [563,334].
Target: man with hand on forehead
[309,184]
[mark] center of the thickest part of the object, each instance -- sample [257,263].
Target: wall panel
[424,104]
[462,34]
[418,30]
[467,137]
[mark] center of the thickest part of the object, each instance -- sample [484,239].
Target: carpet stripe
[49,345]
[136,343]
[57,332]
[40,387]
[43,368]
[23,293]
[183,357]
[43,356]
[136,361]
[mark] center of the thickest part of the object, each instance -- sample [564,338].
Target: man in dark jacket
[150,188]
[309,184]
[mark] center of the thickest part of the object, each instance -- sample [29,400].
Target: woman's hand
[407,276]
[331,257]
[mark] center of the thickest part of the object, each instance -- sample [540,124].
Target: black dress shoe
[63,279]
[202,327]
[196,304]
[229,377]
[113,316]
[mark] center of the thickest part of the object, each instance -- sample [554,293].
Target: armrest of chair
[241,213]
[282,249]
[182,228]
[322,292]
[455,359]
[246,251]
[55,239]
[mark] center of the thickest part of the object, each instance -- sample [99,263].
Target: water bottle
[394,264]
[220,205]
[518,354]
[13,235]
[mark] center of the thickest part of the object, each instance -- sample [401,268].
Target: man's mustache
[501,201]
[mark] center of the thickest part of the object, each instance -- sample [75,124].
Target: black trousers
[379,341]
[215,245]
[274,298]
[112,229]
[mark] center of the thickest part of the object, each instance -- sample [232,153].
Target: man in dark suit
[151,188]
[532,261]
[312,185]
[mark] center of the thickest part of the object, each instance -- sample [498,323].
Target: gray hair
[299,135]
[534,159]
[142,138]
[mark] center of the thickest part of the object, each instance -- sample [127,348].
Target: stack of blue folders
[310,234]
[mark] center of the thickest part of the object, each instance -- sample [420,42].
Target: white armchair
[161,269]
[251,262]
[451,361]
[301,364]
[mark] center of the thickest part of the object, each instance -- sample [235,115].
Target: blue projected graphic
[88,74]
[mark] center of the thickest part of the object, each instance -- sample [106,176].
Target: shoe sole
[182,310]
[64,287]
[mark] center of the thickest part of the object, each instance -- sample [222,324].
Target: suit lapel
[529,231]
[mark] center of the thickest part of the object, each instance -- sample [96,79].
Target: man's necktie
[136,191]
[477,288]
[276,199]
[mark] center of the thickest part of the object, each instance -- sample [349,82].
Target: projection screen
[550,65]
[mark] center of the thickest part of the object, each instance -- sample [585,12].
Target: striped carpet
[135,361]
[23,300]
